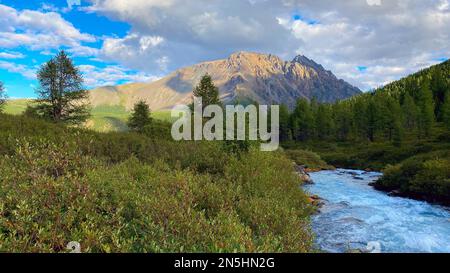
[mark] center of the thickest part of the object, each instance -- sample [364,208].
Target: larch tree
[140,117]
[446,110]
[61,96]
[285,133]
[426,109]
[207,91]
[2,96]
[410,112]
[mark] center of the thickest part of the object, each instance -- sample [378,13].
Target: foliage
[127,192]
[405,119]
[446,110]
[140,117]
[412,104]
[207,91]
[61,94]
[2,96]
[426,176]
[309,159]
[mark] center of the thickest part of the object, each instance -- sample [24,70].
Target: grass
[17,106]
[104,118]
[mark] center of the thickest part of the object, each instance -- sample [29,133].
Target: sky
[368,43]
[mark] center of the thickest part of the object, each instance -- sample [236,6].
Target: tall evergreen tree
[393,126]
[2,96]
[446,110]
[372,121]
[285,133]
[324,122]
[140,117]
[410,113]
[207,91]
[426,109]
[439,87]
[61,96]
[359,122]
[302,121]
[343,120]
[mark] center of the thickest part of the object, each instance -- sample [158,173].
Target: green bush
[124,192]
[310,159]
[426,176]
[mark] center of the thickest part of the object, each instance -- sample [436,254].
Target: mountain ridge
[243,76]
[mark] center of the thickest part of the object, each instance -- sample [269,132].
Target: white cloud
[137,51]
[27,72]
[390,38]
[11,55]
[192,31]
[111,75]
[38,30]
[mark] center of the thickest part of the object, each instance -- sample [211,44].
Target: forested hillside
[409,117]
[411,106]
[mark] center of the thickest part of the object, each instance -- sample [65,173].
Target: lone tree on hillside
[140,118]
[61,96]
[2,96]
[207,91]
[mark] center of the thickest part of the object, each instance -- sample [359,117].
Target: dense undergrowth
[124,192]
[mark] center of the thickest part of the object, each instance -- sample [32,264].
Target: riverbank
[417,169]
[354,215]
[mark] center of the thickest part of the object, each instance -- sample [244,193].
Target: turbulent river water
[355,215]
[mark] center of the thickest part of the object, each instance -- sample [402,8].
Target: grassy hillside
[16,106]
[104,118]
[124,192]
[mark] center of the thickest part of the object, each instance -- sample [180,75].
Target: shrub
[124,192]
[310,159]
[425,176]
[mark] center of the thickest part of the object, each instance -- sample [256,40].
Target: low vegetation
[426,176]
[129,192]
[310,160]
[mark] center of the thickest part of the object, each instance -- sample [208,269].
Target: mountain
[244,76]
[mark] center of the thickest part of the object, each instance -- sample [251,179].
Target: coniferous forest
[402,128]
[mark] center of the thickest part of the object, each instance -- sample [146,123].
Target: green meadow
[105,118]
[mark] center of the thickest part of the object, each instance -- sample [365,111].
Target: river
[355,215]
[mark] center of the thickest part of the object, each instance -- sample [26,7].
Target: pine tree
[426,109]
[324,122]
[314,108]
[140,117]
[446,110]
[359,121]
[285,134]
[343,120]
[302,121]
[371,114]
[2,96]
[410,112]
[207,91]
[61,95]
[439,87]
[395,120]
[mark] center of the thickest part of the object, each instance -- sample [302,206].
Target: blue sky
[366,42]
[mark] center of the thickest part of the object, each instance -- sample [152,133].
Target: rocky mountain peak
[305,61]
[243,76]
